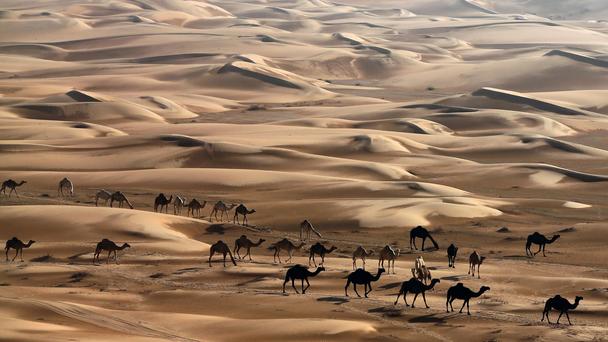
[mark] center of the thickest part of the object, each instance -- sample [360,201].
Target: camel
[361,253]
[241,210]
[420,271]
[561,304]
[222,208]
[195,207]
[162,201]
[540,240]
[300,272]
[364,278]
[475,260]
[244,242]
[416,287]
[459,291]
[318,248]
[390,254]
[110,246]
[18,246]
[305,228]
[423,233]
[178,204]
[452,251]
[11,184]
[284,245]
[66,184]
[120,198]
[104,195]
[220,247]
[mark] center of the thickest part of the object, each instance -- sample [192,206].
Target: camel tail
[434,242]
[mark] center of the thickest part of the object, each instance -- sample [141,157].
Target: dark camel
[120,198]
[362,277]
[321,250]
[452,251]
[459,291]
[244,242]
[11,184]
[241,210]
[220,247]
[162,201]
[195,207]
[561,304]
[423,233]
[416,287]
[305,229]
[302,273]
[110,246]
[18,246]
[540,240]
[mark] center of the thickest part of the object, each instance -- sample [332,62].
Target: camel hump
[243,236]
[105,240]
[14,238]
[460,285]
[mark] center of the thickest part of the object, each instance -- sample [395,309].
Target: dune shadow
[334,299]
[390,285]
[431,318]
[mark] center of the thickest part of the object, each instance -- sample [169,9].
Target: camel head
[484,289]
[434,282]
[397,251]
[251,211]
[481,259]
[381,270]
[578,299]
[22,182]
[371,252]
[261,240]
[31,242]
[332,248]
[555,237]
[125,245]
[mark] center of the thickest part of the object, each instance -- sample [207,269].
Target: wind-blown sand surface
[365,117]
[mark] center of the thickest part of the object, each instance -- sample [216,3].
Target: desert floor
[365,117]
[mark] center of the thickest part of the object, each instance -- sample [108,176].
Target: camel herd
[420,282]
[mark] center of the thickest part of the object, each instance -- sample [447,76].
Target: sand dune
[482,120]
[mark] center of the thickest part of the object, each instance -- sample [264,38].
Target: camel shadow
[335,300]
[388,311]
[215,229]
[455,277]
[430,318]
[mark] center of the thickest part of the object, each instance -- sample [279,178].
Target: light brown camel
[389,254]
[321,250]
[420,271]
[18,246]
[220,247]
[120,198]
[284,245]
[475,260]
[195,207]
[222,208]
[111,247]
[11,184]
[305,228]
[104,195]
[66,184]
[162,201]
[178,204]
[361,253]
[242,210]
[244,242]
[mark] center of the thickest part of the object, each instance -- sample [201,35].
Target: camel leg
[423,240]
[307,285]
[370,289]
[293,285]
[544,253]
[290,254]
[424,298]
[540,247]
[355,287]
[414,300]
[303,289]
[245,221]
[451,306]
[478,275]
[568,317]
[6,252]
[463,304]
[108,259]
[21,253]
[446,304]
[116,257]
[397,300]
[249,253]
[285,282]
[346,288]
[235,218]
[560,316]
[322,259]
[16,252]
[211,255]
[468,312]
[224,259]
[236,251]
